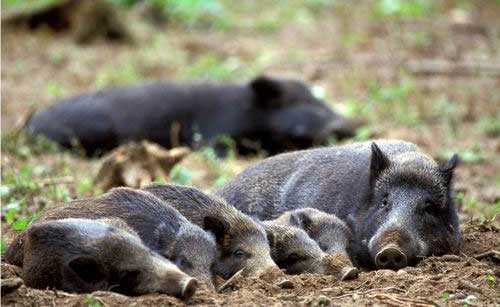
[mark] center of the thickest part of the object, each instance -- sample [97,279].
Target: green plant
[54,89]
[124,74]
[213,68]
[181,175]
[3,246]
[403,8]
[445,296]
[490,279]
[25,145]
[194,13]
[92,301]
[393,101]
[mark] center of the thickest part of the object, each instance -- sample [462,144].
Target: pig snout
[340,266]
[188,288]
[175,282]
[394,249]
[391,257]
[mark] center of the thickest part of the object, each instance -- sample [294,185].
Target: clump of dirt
[469,278]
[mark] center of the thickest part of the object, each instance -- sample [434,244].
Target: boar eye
[185,263]
[239,253]
[430,208]
[385,201]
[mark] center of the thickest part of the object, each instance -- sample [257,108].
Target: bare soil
[436,281]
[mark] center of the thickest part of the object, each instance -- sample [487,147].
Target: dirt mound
[471,278]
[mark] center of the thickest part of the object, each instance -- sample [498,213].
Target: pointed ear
[301,220]
[88,269]
[271,238]
[166,232]
[217,226]
[266,91]
[378,163]
[447,169]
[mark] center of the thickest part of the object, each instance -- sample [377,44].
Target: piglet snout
[189,286]
[391,257]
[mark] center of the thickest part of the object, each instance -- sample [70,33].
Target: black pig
[397,200]
[160,227]
[82,255]
[242,242]
[269,114]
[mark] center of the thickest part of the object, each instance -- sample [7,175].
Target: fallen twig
[487,254]
[230,281]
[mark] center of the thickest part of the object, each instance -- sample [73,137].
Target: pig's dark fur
[331,233]
[269,114]
[241,241]
[378,190]
[82,255]
[161,227]
[293,250]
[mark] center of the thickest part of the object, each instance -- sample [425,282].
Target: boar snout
[188,288]
[340,266]
[391,257]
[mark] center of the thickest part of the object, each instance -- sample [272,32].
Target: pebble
[401,272]
[286,284]
[386,272]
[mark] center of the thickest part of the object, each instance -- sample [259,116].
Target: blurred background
[419,70]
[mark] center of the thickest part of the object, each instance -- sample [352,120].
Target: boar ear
[266,90]
[217,226]
[270,238]
[447,169]
[301,220]
[88,269]
[378,163]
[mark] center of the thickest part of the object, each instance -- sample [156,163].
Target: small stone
[401,272]
[386,272]
[286,284]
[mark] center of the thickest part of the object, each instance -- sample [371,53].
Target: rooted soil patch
[436,281]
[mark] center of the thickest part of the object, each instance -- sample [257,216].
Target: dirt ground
[436,281]
[365,65]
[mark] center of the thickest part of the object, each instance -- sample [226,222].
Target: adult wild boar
[160,227]
[241,241]
[267,113]
[397,200]
[82,255]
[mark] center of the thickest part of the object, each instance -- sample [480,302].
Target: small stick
[230,281]
[487,254]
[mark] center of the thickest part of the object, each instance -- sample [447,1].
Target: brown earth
[436,281]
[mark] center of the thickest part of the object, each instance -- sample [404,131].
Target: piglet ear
[266,91]
[88,269]
[271,238]
[447,168]
[301,220]
[217,226]
[379,162]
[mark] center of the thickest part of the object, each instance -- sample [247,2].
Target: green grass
[25,145]
[478,208]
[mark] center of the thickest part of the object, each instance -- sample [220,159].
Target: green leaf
[20,224]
